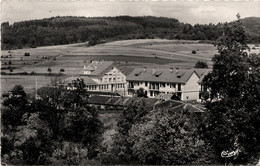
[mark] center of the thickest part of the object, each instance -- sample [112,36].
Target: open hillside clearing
[152,53]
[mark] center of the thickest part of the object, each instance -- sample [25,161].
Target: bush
[193,52]
[49,70]
[27,54]
[201,64]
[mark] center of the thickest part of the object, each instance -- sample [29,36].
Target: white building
[104,76]
[181,82]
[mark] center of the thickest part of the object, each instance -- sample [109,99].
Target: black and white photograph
[130,82]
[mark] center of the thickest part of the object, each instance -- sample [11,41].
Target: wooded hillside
[67,30]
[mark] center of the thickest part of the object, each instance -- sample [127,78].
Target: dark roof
[103,93]
[202,75]
[106,100]
[200,71]
[159,104]
[180,106]
[160,75]
[169,104]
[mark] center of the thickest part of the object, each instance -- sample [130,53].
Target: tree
[14,107]
[62,70]
[121,150]
[166,137]
[201,64]
[49,70]
[81,123]
[33,139]
[27,54]
[140,93]
[234,106]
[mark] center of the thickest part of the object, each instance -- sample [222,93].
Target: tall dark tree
[14,107]
[82,124]
[234,106]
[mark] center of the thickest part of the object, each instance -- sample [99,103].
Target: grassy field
[152,53]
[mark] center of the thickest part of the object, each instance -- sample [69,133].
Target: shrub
[193,52]
[49,70]
[201,64]
[27,54]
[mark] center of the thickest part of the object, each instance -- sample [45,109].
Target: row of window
[104,87]
[112,79]
[120,85]
[153,85]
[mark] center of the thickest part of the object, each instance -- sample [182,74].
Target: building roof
[87,80]
[180,106]
[160,75]
[98,68]
[101,93]
[203,74]
[159,104]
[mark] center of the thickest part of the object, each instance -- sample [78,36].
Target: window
[173,85]
[179,87]
[146,83]
[110,79]
[114,79]
[163,85]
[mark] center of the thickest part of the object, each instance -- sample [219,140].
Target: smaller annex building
[180,82]
[103,76]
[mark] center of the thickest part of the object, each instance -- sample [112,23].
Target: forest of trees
[66,30]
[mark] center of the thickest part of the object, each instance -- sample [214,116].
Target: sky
[187,11]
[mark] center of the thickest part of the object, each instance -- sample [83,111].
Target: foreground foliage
[234,105]
[35,131]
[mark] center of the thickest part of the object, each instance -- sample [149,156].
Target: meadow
[152,53]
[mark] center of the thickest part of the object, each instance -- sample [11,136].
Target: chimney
[153,71]
[171,69]
[144,69]
[177,70]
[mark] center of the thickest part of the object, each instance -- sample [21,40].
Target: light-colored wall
[191,88]
[117,81]
[162,89]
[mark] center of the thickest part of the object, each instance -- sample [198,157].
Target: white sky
[187,11]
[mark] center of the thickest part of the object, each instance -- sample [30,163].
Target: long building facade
[182,83]
[106,76]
